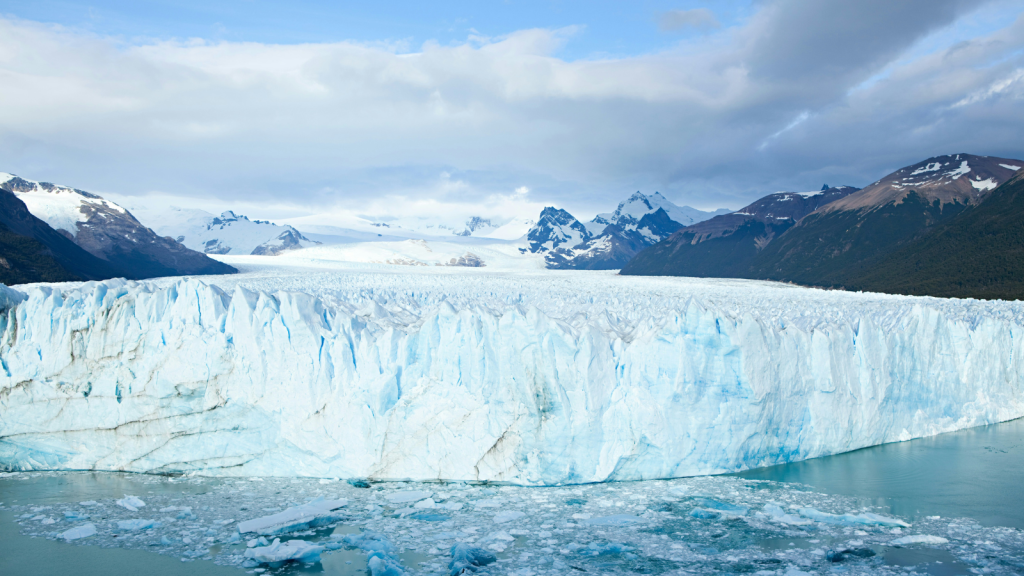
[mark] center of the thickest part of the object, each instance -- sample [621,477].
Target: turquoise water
[976,473]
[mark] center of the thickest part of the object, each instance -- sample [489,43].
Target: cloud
[781,101]
[700,18]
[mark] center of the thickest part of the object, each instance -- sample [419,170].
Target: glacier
[529,378]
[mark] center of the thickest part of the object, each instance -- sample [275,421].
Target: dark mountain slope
[978,254]
[725,246]
[844,239]
[34,252]
[109,232]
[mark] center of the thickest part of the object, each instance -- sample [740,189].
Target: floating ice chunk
[865,519]
[132,503]
[83,531]
[678,491]
[282,552]
[47,521]
[453,506]
[407,496]
[428,503]
[382,558]
[712,504]
[918,539]
[467,559]
[705,514]
[777,514]
[137,524]
[73,515]
[595,549]
[89,503]
[613,520]
[508,516]
[488,503]
[319,512]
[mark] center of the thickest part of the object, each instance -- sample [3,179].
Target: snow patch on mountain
[61,207]
[988,184]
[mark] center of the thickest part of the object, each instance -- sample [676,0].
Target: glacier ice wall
[515,386]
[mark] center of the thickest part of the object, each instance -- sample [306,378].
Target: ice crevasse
[192,377]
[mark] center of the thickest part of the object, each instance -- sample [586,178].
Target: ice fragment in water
[319,512]
[918,539]
[777,514]
[865,519]
[407,496]
[613,520]
[83,531]
[137,524]
[721,506]
[468,559]
[282,552]
[507,516]
[132,503]
[382,559]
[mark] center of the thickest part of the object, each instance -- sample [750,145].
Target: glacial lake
[964,485]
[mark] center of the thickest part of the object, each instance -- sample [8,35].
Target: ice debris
[318,512]
[279,552]
[919,539]
[865,519]
[78,532]
[382,559]
[132,503]
[137,524]
[467,559]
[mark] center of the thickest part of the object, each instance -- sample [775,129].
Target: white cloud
[354,127]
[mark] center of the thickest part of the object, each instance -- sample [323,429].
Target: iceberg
[279,552]
[78,532]
[529,379]
[865,519]
[919,539]
[318,512]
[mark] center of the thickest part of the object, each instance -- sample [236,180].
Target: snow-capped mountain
[229,233]
[32,251]
[609,240]
[844,239]
[726,245]
[108,231]
[630,211]
[556,228]
[957,178]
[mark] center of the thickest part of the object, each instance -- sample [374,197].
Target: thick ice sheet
[528,377]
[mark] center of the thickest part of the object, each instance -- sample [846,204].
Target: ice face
[532,379]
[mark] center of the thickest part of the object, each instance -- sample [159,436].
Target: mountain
[725,246]
[610,240]
[978,254]
[844,239]
[32,251]
[109,232]
[229,233]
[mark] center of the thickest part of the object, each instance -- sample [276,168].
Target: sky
[448,110]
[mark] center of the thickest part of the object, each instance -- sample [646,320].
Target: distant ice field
[307,366]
